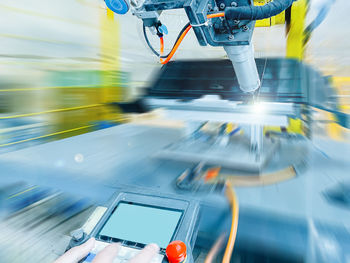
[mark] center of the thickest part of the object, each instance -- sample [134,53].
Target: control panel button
[176,251]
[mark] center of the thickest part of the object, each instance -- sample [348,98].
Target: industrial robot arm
[227,23]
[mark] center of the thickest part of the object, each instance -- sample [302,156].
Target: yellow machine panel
[275,20]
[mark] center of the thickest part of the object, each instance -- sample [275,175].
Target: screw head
[245,28]
[77,234]
[233,4]
[230,37]
[222,6]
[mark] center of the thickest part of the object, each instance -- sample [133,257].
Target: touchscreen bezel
[133,243]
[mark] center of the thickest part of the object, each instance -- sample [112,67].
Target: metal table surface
[288,218]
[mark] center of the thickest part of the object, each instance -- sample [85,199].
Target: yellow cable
[55,133]
[231,196]
[22,192]
[253,180]
[61,42]
[47,88]
[51,111]
[47,135]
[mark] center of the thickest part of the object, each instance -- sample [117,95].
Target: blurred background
[62,65]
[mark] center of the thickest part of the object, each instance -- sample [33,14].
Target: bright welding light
[258,108]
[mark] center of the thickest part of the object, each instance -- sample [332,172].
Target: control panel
[137,219]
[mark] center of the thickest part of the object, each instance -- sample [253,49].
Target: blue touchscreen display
[142,224]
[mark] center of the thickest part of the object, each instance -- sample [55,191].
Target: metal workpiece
[282,80]
[245,153]
[212,108]
[287,92]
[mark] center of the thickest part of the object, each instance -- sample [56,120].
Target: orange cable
[216,15]
[161,46]
[176,46]
[231,196]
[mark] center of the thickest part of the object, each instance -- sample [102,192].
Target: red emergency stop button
[176,252]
